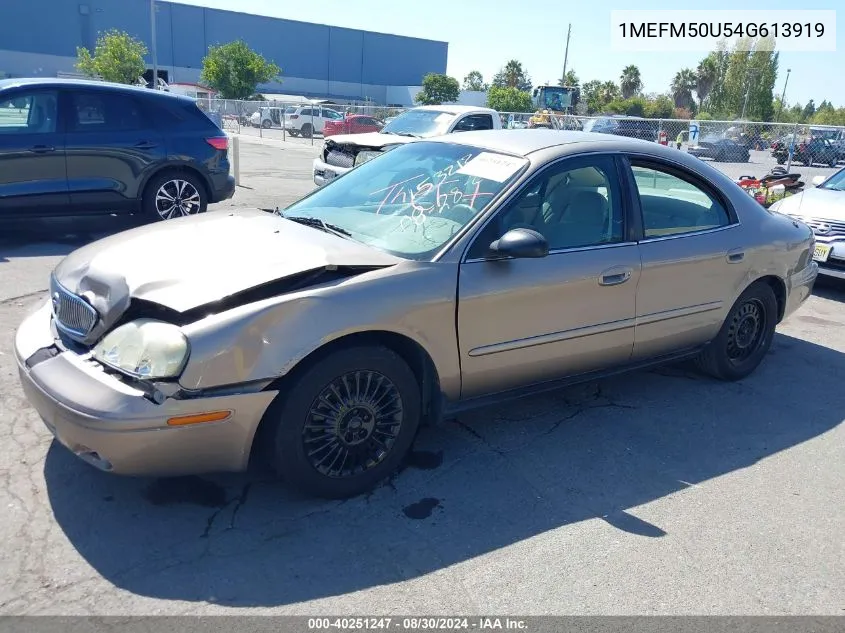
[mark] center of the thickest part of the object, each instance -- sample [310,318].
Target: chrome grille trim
[73,315]
[834,229]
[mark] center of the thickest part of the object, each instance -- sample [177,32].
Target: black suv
[81,148]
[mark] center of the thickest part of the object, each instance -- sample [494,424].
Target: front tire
[347,422]
[307,130]
[174,194]
[745,337]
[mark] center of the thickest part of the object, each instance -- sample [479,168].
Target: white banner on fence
[694,128]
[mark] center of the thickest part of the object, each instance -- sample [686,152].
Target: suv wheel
[173,195]
[307,130]
[266,124]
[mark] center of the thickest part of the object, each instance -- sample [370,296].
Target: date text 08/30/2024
[416,624]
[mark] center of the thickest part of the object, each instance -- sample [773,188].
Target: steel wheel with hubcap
[353,423]
[174,195]
[745,336]
[346,422]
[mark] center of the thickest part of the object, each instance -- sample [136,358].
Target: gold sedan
[443,274]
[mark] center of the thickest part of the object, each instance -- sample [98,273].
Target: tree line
[727,84]
[234,70]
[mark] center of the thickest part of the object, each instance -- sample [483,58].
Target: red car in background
[352,124]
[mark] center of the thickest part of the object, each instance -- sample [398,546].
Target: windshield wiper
[406,134]
[317,223]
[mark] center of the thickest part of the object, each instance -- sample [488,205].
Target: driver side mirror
[817,180]
[520,243]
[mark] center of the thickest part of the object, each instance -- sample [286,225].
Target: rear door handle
[735,256]
[42,149]
[146,145]
[615,276]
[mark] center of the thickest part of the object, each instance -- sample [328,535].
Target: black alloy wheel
[346,422]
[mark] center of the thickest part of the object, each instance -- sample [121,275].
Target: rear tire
[745,336]
[174,194]
[347,422]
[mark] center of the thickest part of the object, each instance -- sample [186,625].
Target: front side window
[576,204]
[674,206]
[413,199]
[29,113]
[475,122]
[102,112]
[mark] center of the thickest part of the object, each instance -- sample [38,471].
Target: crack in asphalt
[28,295]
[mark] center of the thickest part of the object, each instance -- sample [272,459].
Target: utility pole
[783,95]
[153,50]
[566,54]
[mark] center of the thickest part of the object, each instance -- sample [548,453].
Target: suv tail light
[218,142]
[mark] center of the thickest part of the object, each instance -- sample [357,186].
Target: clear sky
[484,34]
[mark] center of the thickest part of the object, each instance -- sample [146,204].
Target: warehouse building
[40,38]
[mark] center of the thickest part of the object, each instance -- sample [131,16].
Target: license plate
[822,252]
[329,175]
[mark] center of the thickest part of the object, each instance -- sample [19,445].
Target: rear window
[169,113]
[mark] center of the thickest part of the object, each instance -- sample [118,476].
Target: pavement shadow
[829,288]
[486,481]
[57,237]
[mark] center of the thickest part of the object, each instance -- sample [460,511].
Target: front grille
[826,228]
[340,159]
[834,264]
[74,316]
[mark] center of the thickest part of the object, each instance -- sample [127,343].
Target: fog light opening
[93,458]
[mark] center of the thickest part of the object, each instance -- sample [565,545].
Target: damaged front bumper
[116,426]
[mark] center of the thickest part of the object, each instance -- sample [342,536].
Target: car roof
[524,142]
[454,108]
[62,82]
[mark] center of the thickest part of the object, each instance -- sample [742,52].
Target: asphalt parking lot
[661,492]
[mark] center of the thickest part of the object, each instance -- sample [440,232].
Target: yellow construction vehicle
[552,103]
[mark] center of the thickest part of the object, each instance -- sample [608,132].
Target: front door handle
[146,145]
[735,256]
[42,149]
[615,276]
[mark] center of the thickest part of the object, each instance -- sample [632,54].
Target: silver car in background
[822,208]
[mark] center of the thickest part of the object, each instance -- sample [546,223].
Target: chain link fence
[744,150]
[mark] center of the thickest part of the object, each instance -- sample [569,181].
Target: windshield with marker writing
[412,200]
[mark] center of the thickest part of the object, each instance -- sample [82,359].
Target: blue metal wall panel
[300,49]
[400,61]
[345,55]
[187,30]
[307,51]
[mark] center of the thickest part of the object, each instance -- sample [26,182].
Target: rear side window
[176,113]
[673,206]
[103,112]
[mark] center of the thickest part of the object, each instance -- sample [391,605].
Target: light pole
[153,50]
[783,94]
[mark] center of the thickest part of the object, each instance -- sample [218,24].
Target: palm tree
[705,78]
[608,91]
[570,79]
[682,86]
[630,81]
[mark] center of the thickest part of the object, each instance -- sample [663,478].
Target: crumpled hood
[192,261]
[814,203]
[369,139]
